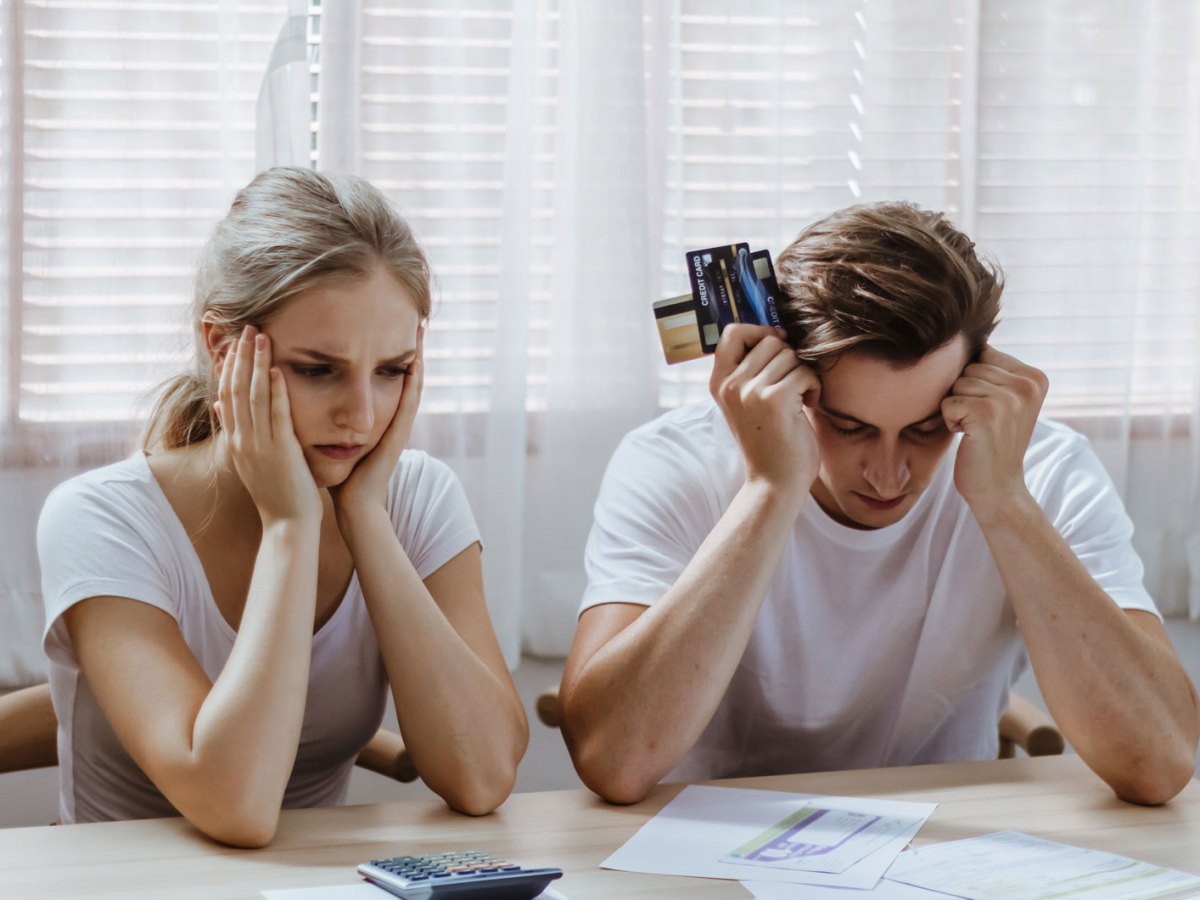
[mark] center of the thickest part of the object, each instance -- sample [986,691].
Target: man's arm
[641,684]
[1110,678]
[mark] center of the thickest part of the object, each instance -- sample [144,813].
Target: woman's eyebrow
[321,356]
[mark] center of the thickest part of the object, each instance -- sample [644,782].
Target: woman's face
[344,347]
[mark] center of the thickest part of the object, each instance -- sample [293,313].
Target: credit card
[729,284]
[678,329]
[705,295]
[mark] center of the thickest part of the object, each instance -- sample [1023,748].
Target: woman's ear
[216,336]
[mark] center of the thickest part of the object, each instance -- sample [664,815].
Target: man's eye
[311,371]
[929,432]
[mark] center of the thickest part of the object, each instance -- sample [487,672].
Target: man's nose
[887,471]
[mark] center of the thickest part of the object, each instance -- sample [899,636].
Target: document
[885,890]
[773,836]
[1011,866]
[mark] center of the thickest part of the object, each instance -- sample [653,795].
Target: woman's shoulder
[127,480]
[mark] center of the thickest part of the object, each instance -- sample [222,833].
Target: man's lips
[340,451]
[880,505]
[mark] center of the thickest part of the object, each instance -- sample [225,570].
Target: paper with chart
[1011,866]
[735,833]
[817,839]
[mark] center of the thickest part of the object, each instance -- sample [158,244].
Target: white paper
[1012,866]
[360,891]
[885,890]
[694,833]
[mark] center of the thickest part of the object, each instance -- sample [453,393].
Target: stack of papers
[772,836]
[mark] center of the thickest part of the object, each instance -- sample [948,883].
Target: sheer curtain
[595,145]
[557,159]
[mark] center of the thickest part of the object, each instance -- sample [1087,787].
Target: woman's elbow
[246,829]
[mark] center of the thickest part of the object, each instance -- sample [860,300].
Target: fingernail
[260,341]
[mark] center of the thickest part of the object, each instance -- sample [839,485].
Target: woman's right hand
[256,419]
[762,390]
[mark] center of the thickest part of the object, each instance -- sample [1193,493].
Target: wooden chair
[1022,725]
[29,738]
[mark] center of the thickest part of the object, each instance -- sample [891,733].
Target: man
[826,568]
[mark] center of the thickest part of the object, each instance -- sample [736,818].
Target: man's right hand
[762,390]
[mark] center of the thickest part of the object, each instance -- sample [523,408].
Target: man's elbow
[607,771]
[1152,784]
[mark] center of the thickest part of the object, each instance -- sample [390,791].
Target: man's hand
[995,404]
[762,389]
[368,481]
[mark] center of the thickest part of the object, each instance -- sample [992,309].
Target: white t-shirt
[894,646]
[112,532]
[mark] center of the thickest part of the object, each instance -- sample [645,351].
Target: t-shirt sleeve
[656,505]
[430,512]
[94,542]
[1081,501]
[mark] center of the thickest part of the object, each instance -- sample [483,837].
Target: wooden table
[1051,797]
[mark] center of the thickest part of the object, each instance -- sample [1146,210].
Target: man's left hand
[995,404]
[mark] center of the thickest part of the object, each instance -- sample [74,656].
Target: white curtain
[629,133]
[557,159]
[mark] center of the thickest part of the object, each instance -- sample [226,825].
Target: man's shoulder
[1053,443]
[699,426]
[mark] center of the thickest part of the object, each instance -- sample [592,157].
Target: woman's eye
[394,372]
[848,432]
[311,371]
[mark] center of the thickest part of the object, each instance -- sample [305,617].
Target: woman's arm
[458,709]
[459,712]
[222,753]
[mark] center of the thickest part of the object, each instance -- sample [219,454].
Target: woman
[227,607]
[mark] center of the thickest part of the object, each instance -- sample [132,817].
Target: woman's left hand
[368,480]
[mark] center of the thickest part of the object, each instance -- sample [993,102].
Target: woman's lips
[340,451]
[880,505]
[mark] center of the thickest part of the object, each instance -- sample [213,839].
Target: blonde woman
[227,608]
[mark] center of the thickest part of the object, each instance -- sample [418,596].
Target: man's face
[881,433]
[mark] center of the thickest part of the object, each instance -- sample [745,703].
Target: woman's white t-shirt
[888,647]
[112,532]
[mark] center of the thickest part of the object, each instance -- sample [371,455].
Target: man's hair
[890,279]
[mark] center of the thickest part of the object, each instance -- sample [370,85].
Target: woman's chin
[329,473]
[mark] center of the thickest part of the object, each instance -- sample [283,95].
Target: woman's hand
[368,480]
[256,420]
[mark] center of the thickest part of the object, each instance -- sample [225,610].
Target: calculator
[463,873]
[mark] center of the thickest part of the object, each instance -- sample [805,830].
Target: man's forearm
[641,701]
[1120,695]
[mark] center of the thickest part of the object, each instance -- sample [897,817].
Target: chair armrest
[1024,725]
[28,730]
[547,707]
[386,755]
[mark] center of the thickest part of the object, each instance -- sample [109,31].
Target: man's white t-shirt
[893,646]
[112,532]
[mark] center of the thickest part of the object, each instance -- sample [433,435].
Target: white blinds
[434,112]
[1061,133]
[138,124]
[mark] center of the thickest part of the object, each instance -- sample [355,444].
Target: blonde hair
[287,230]
[887,278]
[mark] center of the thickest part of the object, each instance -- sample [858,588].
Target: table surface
[1051,797]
